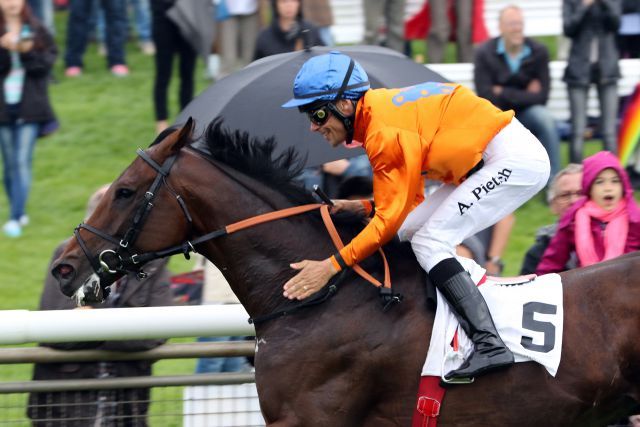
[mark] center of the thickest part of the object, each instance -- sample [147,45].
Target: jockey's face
[333,129]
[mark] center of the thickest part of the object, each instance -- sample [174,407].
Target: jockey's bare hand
[354,206]
[312,277]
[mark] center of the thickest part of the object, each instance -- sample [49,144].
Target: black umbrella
[251,99]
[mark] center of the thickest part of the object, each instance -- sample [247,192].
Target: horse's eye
[123,193]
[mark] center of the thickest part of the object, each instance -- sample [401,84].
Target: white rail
[24,326]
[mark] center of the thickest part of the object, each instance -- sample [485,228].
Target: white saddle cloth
[528,317]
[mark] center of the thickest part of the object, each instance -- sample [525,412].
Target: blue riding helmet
[323,78]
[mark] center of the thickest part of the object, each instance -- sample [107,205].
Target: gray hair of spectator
[570,169]
[95,199]
[509,7]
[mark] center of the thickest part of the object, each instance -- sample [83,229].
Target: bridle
[110,262]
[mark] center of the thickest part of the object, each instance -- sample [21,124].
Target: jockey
[489,163]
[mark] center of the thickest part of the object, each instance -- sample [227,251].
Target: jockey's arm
[396,161]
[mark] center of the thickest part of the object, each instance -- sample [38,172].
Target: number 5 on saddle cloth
[528,317]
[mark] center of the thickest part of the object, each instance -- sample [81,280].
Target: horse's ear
[185,135]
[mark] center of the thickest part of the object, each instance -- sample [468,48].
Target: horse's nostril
[65,274]
[62,271]
[65,270]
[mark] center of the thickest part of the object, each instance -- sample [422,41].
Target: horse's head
[139,214]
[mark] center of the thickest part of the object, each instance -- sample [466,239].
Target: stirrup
[450,355]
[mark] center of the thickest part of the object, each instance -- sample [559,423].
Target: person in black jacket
[119,407]
[169,43]
[27,54]
[512,71]
[592,26]
[288,31]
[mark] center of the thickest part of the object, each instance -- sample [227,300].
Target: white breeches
[516,167]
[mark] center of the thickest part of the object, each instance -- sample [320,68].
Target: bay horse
[345,362]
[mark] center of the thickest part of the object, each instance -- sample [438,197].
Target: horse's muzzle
[89,292]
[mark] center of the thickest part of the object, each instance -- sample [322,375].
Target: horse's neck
[255,261]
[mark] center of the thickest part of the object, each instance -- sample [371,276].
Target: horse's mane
[255,157]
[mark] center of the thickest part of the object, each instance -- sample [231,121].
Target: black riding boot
[474,317]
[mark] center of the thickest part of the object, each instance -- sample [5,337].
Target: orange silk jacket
[433,130]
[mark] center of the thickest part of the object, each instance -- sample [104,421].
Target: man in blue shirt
[512,71]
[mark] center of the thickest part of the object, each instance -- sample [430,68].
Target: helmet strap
[345,81]
[346,121]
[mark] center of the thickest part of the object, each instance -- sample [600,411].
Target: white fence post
[23,326]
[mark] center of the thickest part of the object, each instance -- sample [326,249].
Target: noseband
[110,262]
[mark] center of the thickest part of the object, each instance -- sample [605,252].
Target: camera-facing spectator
[512,71]
[564,190]
[288,31]
[27,55]
[601,225]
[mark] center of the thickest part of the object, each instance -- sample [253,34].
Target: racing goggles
[319,115]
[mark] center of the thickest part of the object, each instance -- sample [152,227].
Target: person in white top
[239,27]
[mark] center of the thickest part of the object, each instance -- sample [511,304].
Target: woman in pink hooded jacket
[603,224]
